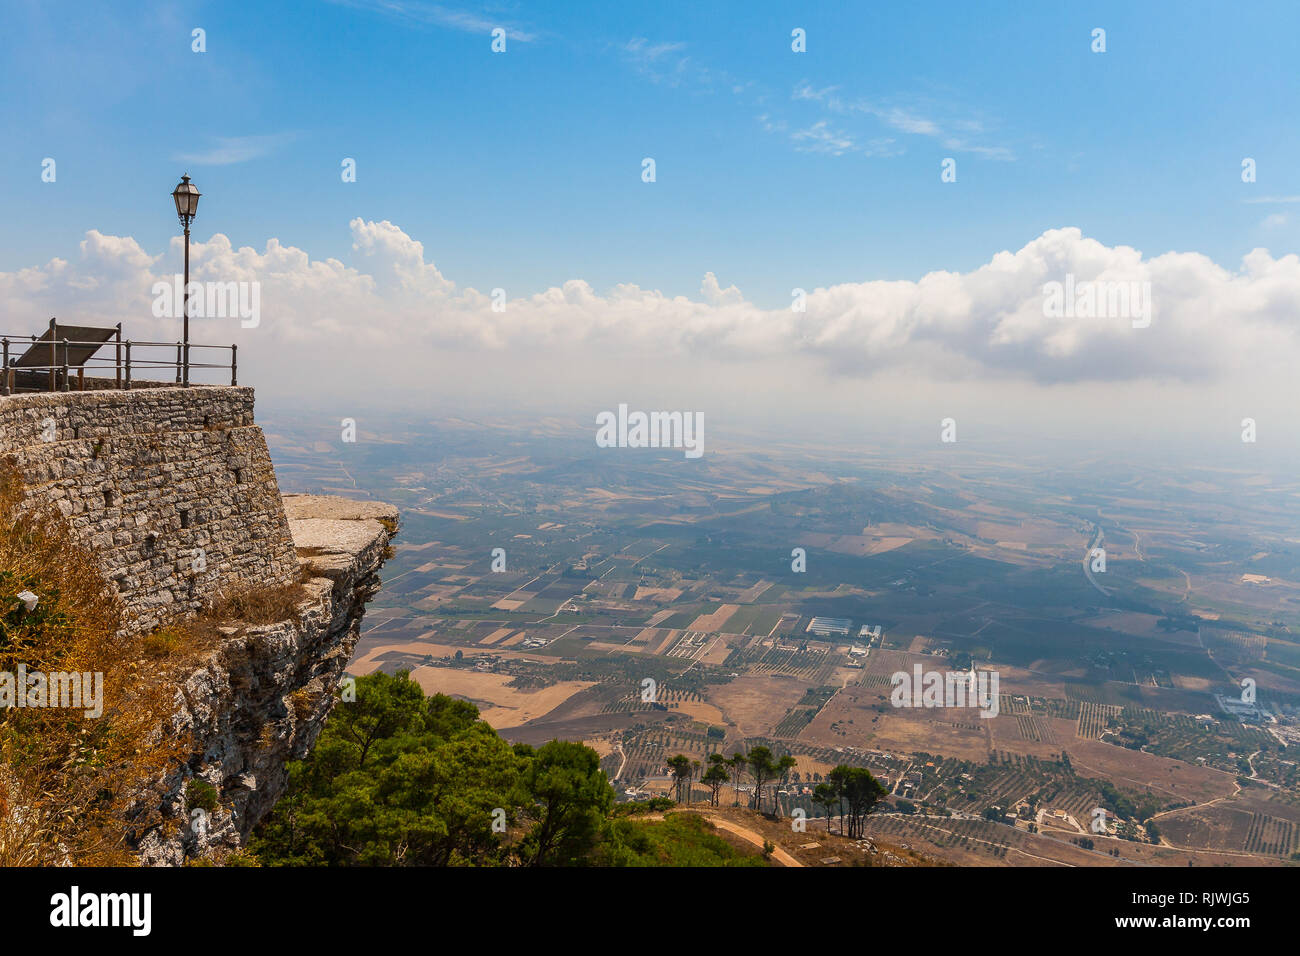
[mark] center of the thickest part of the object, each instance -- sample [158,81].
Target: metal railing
[125,361]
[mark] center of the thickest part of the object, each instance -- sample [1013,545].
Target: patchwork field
[652,608]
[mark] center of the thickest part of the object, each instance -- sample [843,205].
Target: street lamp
[186,197]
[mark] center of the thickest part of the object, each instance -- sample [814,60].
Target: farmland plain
[651,605]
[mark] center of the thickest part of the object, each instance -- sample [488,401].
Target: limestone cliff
[174,493]
[261,698]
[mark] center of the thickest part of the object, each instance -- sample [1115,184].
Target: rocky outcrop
[174,492]
[260,699]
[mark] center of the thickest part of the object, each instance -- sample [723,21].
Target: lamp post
[186,197]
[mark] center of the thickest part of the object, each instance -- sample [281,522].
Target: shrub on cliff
[75,781]
[199,794]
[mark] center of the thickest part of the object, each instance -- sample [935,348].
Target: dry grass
[74,788]
[78,789]
[265,605]
[250,606]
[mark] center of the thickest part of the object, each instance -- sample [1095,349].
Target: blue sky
[774,169]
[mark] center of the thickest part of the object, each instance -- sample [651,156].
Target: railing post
[4,370]
[178,363]
[128,365]
[118,350]
[234,364]
[54,351]
[67,385]
[187,364]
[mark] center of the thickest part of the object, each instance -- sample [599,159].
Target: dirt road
[722,823]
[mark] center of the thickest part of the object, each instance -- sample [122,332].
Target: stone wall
[172,488]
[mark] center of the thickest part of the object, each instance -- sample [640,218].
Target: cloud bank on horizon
[1207,322]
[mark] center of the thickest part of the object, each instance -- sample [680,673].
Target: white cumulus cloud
[392,303]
